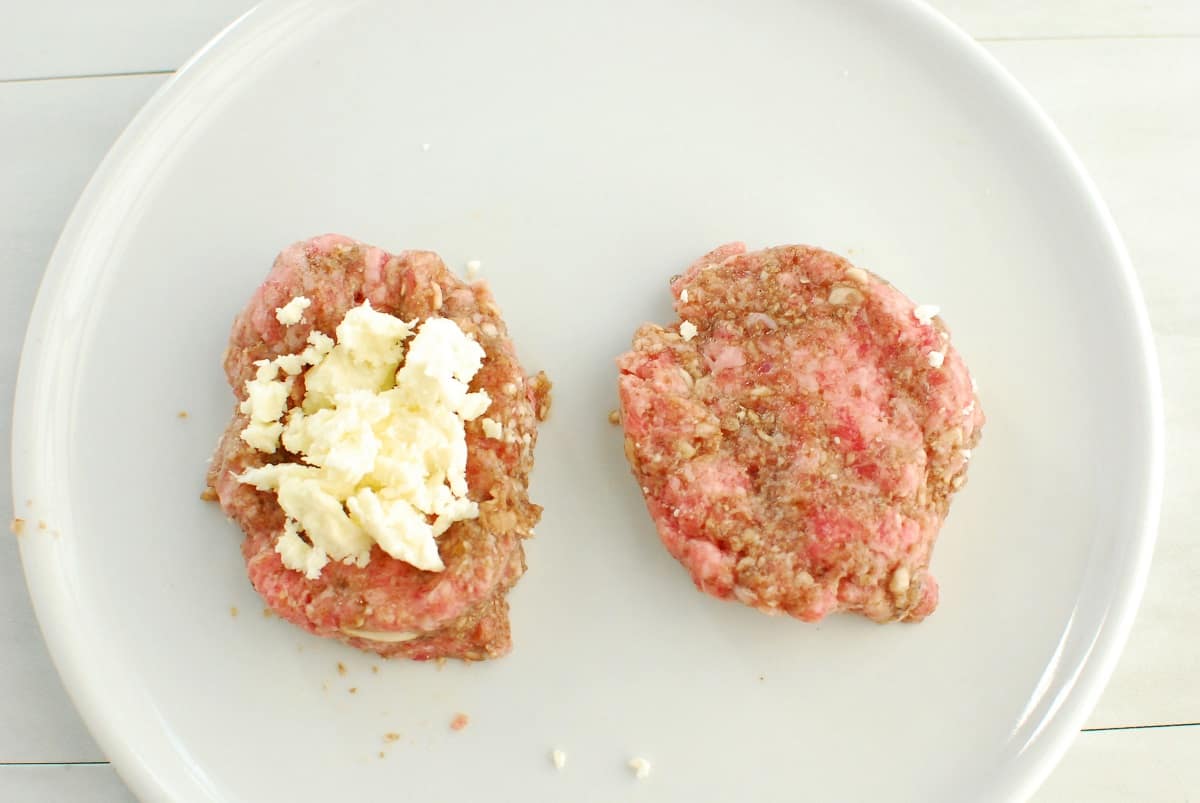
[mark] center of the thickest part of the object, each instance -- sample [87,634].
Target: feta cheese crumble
[381,438]
[640,767]
[936,358]
[687,330]
[293,311]
[559,758]
[925,313]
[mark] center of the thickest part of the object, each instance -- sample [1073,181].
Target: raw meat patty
[460,612]
[799,447]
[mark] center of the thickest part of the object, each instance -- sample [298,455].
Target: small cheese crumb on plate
[640,767]
[559,758]
[473,268]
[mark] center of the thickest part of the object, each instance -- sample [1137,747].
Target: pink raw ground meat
[799,452]
[460,612]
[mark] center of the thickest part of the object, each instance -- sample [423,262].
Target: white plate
[585,152]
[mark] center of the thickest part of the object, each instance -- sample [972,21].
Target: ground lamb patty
[460,612]
[799,433]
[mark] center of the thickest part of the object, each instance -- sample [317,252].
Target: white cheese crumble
[492,429]
[266,400]
[687,330]
[936,358]
[473,268]
[925,313]
[293,311]
[559,758]
[683,295]
[380,435]
[641,768]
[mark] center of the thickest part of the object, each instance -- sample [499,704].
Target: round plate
[586,152]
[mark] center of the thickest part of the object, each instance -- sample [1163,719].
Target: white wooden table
[1121,78]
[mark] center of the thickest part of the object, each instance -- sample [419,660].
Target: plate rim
[48,586]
